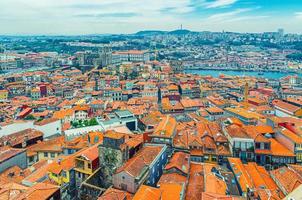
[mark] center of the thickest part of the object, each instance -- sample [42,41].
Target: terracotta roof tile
[213,184]
[265,186]
[236,131]
[241,174]
[287,177]
[13,174]
[171,191]
[172,178]
[285,106]
[180,161]
[211,196]
[147,193]
[115,194]
[142,159]
[278,149]
[39,191]
[19,137]
[6,153]
[196,182]
[166,127]
[91,153]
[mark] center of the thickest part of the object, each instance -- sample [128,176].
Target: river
[216,73]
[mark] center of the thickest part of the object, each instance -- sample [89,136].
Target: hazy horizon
[80,17]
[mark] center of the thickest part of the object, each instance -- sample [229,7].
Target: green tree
[29,117]
[75,124]
[93,122]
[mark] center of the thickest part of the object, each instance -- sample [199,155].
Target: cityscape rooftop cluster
[119,122]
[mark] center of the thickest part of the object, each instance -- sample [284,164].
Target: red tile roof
[196,182]
[13,174]
[289,178]
[19,137]
[285,106]
[142,159]
[278,149]
[39,191]
[166,127]
[180,161]
[115,194]
[6,153]
[147,193]
[172,178]
[211,196]
[264,185]
[91,153]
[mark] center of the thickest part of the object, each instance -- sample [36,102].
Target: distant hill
[180,32]
[158,32]
[151,32]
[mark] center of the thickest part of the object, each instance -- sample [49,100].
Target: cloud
[108,15]
[220,3]
[228,15]
[247,18]
[177,10]
[127,16]
[100,5]
[298,15]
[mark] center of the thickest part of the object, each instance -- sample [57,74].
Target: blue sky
[128,16]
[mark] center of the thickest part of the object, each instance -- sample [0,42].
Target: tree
[75,124]
[80,123]
[29,117]
[93,122]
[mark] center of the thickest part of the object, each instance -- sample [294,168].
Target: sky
[76,17]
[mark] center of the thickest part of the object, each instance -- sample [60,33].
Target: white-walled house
[50,127]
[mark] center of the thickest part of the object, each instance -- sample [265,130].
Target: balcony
[81,166]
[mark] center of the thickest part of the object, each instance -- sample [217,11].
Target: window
[45,154]
[31,159]
[249,145]
[64,174]
[89,166]
[124,186]
[52,155]
[243,146]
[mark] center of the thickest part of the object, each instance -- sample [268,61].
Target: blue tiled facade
[156,168]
